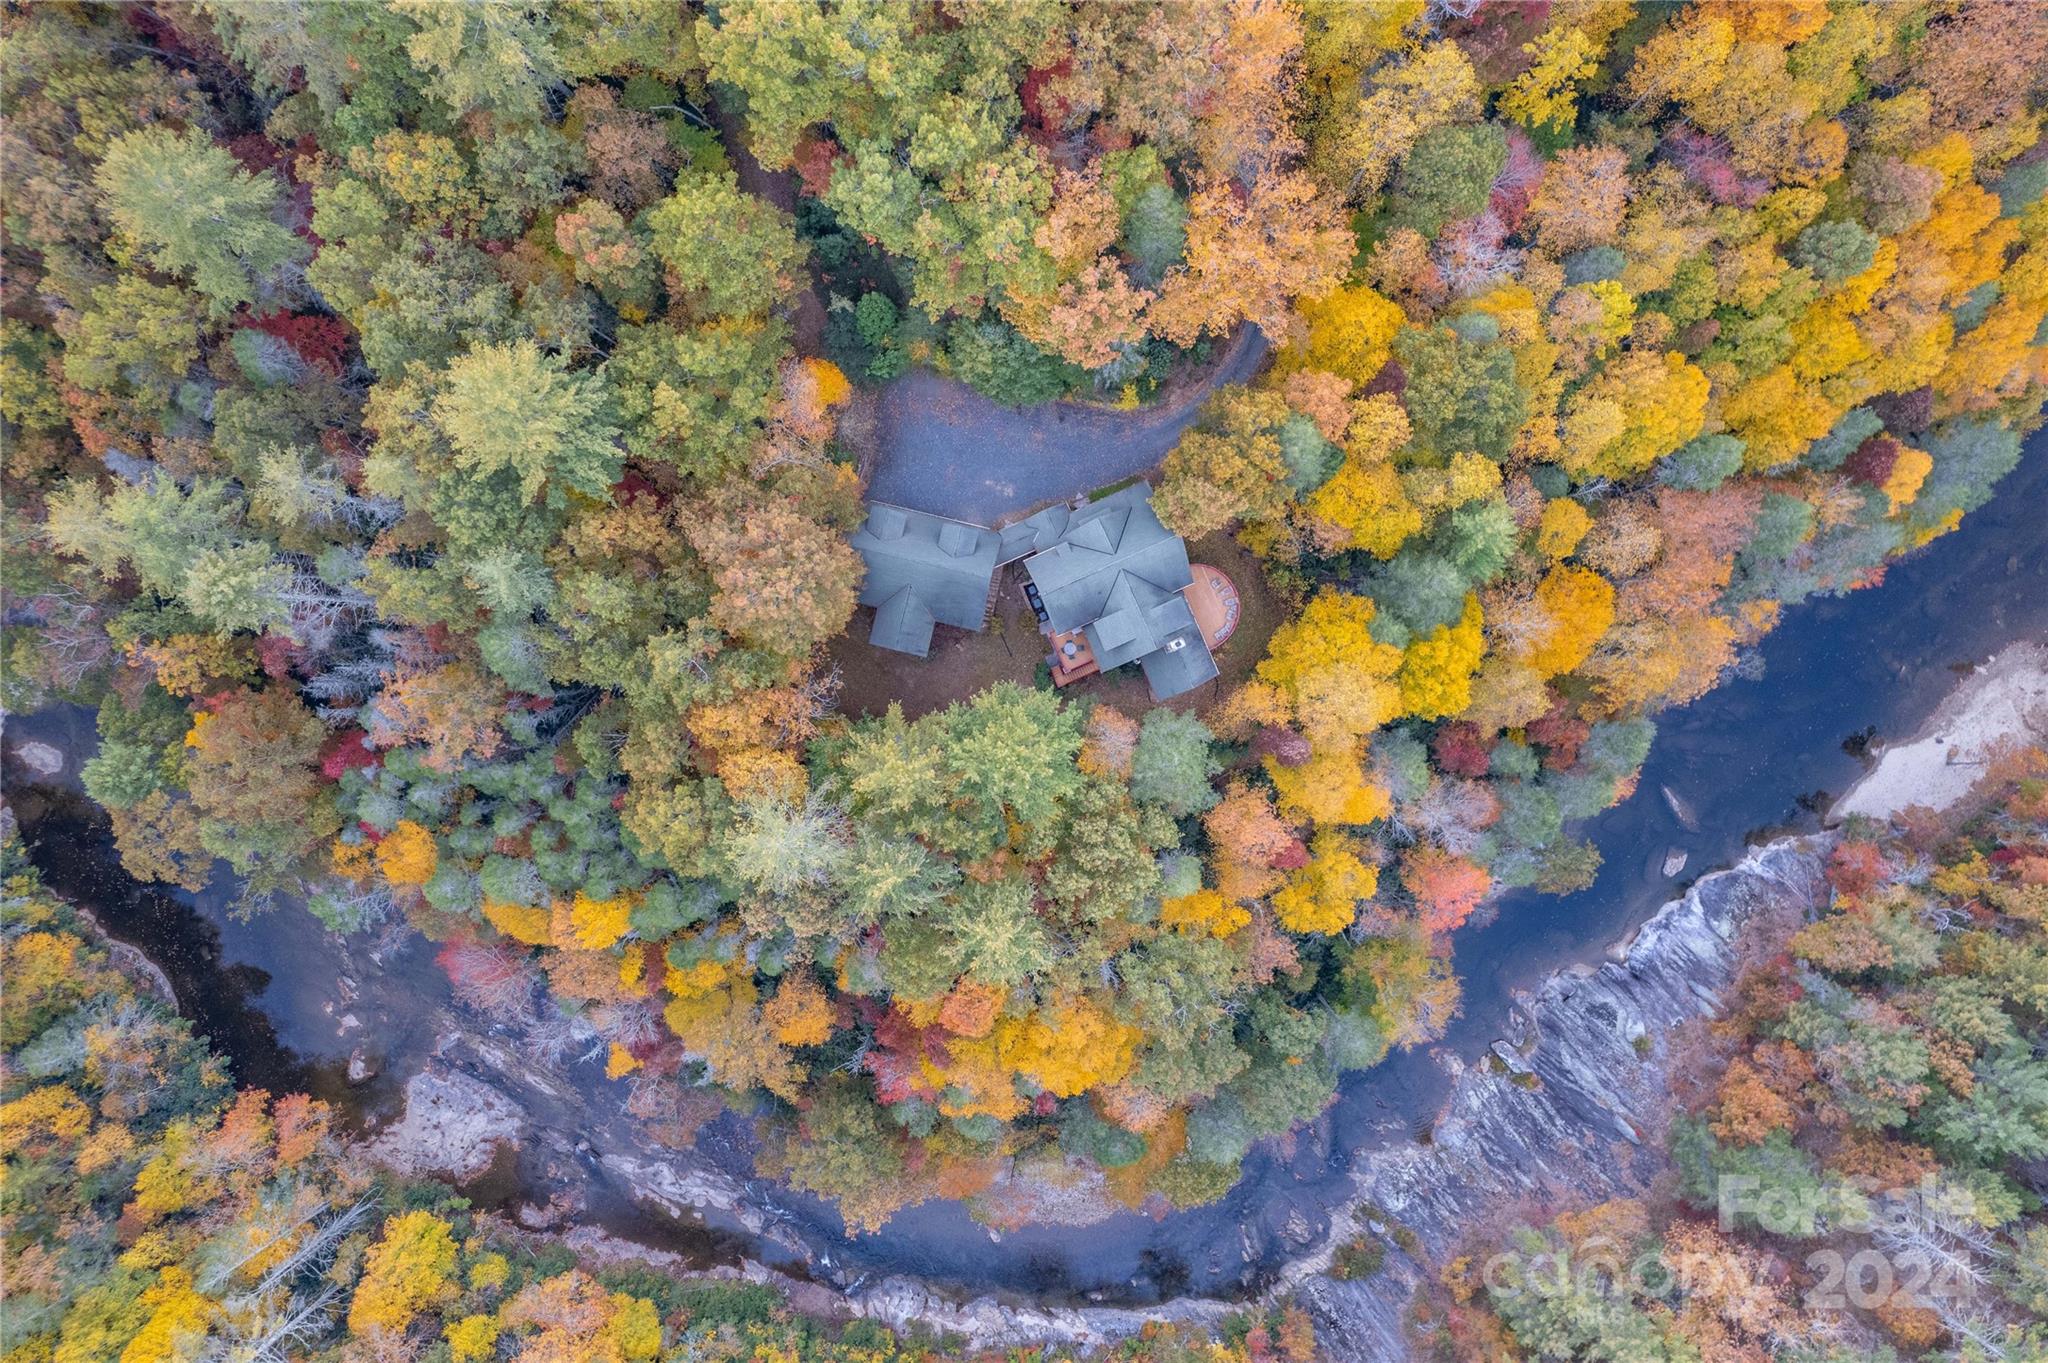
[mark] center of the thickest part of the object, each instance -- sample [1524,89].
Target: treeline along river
[1756,757]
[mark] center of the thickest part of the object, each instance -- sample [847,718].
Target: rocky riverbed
[1568,1108]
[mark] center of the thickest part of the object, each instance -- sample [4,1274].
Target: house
[923,570]
[1109,580]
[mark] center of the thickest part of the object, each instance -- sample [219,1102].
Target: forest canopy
[427,447]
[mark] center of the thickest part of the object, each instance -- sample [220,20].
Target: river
[1752,759]
[289,1004]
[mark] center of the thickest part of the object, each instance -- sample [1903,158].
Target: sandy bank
[2004,700]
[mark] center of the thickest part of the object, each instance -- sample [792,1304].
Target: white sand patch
[2006,700]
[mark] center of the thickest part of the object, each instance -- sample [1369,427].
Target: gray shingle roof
[1109,569]
[902,623]
[1180,663]
[1119,534]
[1116,574]
[922,569]
[1134,621]
[1040,530]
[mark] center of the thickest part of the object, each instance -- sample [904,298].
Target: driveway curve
[944,448]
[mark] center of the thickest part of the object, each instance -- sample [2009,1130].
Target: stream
[290,1004]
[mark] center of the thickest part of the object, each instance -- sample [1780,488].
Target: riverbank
[1567,1107]
[1755,759]
[2004,701]
[1570,1108]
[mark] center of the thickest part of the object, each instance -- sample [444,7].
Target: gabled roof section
[947,565]
[1100,533]
[1103,541]
[1138,619]
[1180,663]
[903,623]
[1039,530]
[887,522]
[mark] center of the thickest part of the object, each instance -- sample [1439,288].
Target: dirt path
[946,449]
[806,309]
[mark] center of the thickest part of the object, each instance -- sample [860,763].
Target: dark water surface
[284,999]
[1752,759]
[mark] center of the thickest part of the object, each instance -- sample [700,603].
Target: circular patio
[1212,596]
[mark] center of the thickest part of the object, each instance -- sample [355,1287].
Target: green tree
[788,861]
[136,336]
[499,57]
[1446,176]
[1011,754]
[181,543]
[2006,1115]
[990,357]
[731,253]
[1461,395]
[1701,465]
[350,55]
[1105,865]
[194,211]
[513,408]
[995,933]
[844,1148]
[1175,763]
[890,878]
[804,65]
[1835,250]
[697,398]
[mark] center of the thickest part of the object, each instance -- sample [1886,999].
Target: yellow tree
[1636,410]
[1430,88]
[1349,332]
[406,1271]
[1577,606]
[1249,256]
[1338,678]
[1330,787]
[1436,670]
[1323,896]
[1547,94]
[1365,505]
[406,855]
[1204,911]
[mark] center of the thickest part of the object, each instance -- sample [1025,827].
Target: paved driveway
[946,449]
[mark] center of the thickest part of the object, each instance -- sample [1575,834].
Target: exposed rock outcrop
[1569,1110]
[988,1322]
[42,759]
[452,1127]
[1573,1114]
[687,1188]
[2005,700]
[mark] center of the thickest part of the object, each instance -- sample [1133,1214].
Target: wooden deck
[1071,659]
[1212,596]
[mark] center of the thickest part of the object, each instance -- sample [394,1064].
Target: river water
[289,1004]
